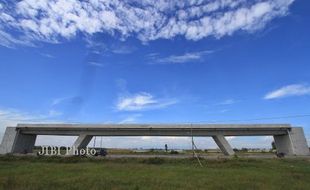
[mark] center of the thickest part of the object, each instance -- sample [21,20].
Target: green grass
[154,173]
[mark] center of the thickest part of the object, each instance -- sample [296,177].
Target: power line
[188,122]
[257,119]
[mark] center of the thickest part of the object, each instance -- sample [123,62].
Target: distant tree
[236,150]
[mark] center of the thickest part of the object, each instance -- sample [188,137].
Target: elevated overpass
[289,140]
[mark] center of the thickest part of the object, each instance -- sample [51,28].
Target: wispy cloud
[228,102]
[187,57]
[122,49]
[54,113]
[58,101]
[289,90]
[53,21]
[11,117]
[47,55]
[142,101]
[99,46]
[9,41]
[130,119]
[220,107]
[95,64]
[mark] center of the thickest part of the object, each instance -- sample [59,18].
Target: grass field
[154,173]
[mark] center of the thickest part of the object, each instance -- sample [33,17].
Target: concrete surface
[155,130]
[223,144]
[16,142]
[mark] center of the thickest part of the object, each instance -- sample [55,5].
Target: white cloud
[155,142]
[142,101]
[230,138]
[251,142]
[289,90]
[52,21]
[165,138]
[187,57]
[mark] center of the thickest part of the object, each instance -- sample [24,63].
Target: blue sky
[132,62]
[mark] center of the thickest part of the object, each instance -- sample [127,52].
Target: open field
[26,172]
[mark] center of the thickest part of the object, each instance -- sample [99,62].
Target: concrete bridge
[288,140]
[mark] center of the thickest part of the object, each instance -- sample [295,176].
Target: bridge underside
[289,140]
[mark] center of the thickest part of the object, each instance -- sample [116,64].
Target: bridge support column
[293,143]
[223,144]
[81,142]
[15,142]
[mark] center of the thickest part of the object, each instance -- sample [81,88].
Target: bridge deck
[154,129]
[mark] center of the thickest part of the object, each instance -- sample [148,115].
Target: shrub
[155,161]
[174,152]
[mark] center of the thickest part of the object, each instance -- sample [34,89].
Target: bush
[155,161]
[174,152]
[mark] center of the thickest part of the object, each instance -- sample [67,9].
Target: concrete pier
[223,144]
[82,141]
[294,143]
[289,140]
[16,142]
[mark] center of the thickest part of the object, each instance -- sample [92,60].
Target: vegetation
[25,172]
